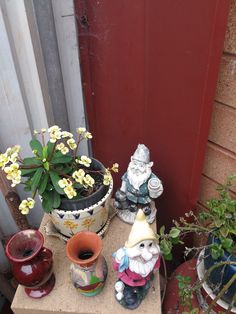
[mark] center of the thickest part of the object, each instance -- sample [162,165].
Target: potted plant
[216,266]
[75,190]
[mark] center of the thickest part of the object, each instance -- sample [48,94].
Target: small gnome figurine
[135,263]
[139,187]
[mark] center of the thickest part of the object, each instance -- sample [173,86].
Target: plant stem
[225,288]
[43,140]
[30,166]
[53,150]
[231,304]
[78,142]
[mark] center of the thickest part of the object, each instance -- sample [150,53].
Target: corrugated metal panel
[25,91]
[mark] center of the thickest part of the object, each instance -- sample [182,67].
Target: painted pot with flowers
[75,190]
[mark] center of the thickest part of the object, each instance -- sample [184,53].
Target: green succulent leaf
[227,244]
[56,199]
[50,148]
[27,172]
[216,251]
[165,246]
[55,178]
[45,152]
[162,230]
[46,165]
[36,179]
[43,183]
[37,146]
[224,231]
[61,160]
[168,257]
[47,204]
[174,232]
[31,161]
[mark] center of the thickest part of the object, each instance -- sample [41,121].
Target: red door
[149,71]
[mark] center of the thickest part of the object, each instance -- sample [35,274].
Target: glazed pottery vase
[32,264]
[88,269]
[87,214]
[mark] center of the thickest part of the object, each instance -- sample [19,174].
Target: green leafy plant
[186,293]
[55,171]
[218,221]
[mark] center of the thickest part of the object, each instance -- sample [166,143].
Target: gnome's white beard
[136,177]
[142,268]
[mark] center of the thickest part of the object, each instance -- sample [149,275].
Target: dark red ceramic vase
[32,264]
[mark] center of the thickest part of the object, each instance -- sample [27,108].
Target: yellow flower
[88,181]
[54,128]
[31,202]
[84,160]
[60,146]
[26,205]
[55,133]
[65,150]
[13,152]
[25,211]
[66,134]
[4,159]
[70,191]
[79,176]
[88,135]
[70,224]
[64,183]
[13,174]
[81,130]
[71,143]
[36,132]
[43,130]
[115,167]
[87,223]
[107,178]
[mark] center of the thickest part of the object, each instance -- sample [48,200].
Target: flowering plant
[55,171]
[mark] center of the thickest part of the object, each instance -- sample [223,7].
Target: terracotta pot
[31,262]
[88,269]
[172,302]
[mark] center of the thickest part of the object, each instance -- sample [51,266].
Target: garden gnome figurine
[139,187]
[135,263]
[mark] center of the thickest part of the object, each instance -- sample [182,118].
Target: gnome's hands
[119,288]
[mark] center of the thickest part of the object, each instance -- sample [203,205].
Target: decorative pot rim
[200,273]
[61,211]
[15,259]
[95,255]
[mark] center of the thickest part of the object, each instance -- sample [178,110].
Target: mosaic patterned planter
[91,218]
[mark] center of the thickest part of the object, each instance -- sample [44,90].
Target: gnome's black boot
[131,298]
[147,210]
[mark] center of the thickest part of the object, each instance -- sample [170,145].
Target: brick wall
[220,160]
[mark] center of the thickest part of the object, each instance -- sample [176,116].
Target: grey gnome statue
[139,187]
[135,263]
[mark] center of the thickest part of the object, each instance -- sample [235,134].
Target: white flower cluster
[8,163]
[26,205]
[66,184]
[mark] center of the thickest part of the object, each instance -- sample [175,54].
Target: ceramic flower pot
[87,214]
[88,269]
[220,276]
[31,262]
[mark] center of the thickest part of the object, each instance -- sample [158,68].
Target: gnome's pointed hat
[142,154]
[140,231]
